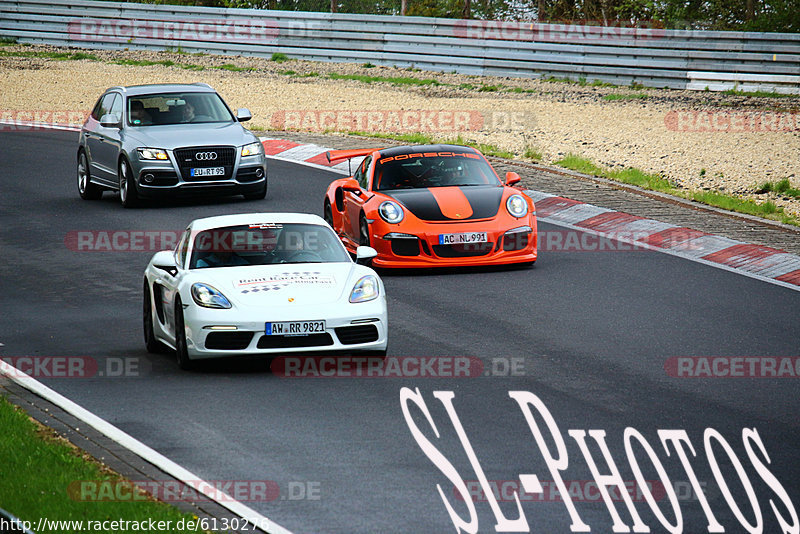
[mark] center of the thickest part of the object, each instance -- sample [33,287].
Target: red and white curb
[306,154]
[755,261]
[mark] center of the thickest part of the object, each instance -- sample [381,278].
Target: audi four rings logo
[206,156]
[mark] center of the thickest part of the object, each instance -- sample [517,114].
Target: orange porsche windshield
[438,169]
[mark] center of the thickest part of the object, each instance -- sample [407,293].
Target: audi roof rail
[202,84]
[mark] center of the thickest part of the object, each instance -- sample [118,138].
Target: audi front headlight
[391,212]
[209,297]
[253,149]
[152,153]
[517,206]
[365,289]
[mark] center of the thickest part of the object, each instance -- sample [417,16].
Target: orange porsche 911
[431,206]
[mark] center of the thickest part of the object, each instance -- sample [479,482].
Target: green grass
[190,66]
[601,83]
[278,57]
[532,153]
[758,94]
[4,41]
[654,182]
[467,86]
[410,138]
[310,75]
[38,472]
[143,62]
[395,80]
[233,68]
[368,65]
[521,90]
[782,187]
[61,56]
[626,96]
[489,88]
[423,139]
[287,72]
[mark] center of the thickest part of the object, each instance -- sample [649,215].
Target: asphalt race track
[590,334]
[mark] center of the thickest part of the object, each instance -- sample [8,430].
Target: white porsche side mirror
[364,254]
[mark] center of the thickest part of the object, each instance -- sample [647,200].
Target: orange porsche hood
[451,203]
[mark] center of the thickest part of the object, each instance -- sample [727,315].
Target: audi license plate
[459,239]
[295,328]
[208,171]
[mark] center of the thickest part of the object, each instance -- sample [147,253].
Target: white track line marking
[142,450]
[33,126]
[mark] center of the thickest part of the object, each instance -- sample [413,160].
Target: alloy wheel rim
[82,178]
[123,181]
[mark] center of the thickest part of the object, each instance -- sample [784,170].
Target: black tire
[128,195]
[363,232]
[181,350]
[152,344]
[86,189]
[327,213]
[261,194]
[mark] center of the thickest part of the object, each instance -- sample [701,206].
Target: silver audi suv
[148,141]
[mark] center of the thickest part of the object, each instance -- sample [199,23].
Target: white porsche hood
[279,285]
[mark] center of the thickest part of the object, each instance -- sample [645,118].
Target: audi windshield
[177,108]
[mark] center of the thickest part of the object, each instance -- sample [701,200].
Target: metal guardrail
[652,57]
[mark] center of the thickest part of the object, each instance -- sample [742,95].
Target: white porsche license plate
[467,237]
[295,328]
[208,171]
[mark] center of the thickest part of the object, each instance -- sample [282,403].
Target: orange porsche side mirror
[351,184]
[512,178]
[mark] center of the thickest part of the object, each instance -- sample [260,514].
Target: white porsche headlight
[253,149]
[517,206]
[209,297]
[391,212]
[366,289]
[152,153]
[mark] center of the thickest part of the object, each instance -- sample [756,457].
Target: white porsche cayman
[262,283]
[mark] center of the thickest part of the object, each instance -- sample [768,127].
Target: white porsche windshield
[266,244]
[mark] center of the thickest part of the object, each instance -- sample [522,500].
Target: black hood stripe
[484,200]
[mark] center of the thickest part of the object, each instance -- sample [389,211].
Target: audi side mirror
[243,115]
[110,120]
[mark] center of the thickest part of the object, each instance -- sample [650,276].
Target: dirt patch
[697,140]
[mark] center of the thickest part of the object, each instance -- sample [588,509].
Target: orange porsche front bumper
[404,246]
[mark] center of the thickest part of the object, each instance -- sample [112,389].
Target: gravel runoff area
[697,140]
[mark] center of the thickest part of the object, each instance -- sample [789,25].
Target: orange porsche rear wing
[341,155]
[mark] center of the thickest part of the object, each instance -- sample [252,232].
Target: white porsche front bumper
[214,333]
